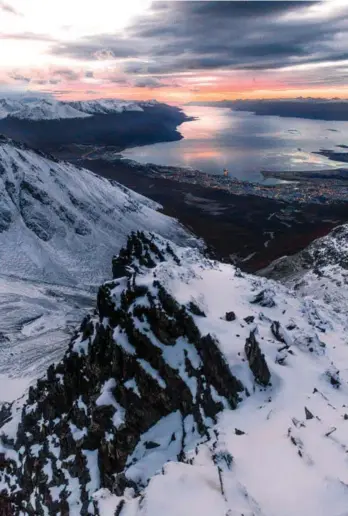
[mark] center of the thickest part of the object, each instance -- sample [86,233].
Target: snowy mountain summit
[192,389]
[106,106]
[36,109]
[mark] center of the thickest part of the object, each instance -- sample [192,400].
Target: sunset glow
[142,50]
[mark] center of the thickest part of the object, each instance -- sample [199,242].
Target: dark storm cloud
[103,46]
[252,35]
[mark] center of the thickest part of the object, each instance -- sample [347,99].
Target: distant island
[315,109]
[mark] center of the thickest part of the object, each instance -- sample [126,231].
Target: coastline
[243,228]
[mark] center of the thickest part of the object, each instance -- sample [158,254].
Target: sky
[174,51]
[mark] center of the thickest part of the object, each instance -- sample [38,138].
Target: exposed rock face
[264,298]
[256,360]
[141,358]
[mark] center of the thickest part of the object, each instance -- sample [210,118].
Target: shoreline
[249,230]
[310,191]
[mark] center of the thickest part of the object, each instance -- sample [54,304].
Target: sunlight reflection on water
[245,143]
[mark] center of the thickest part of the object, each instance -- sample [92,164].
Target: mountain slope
[62,224]
[59,228]
[320,271]
[105,106]
[38,109]
[193,389]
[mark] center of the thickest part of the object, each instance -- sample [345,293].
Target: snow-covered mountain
[59,228]
[320,271]
[61,223]
[106,106]
[192,389]
[50,109]
[38,109]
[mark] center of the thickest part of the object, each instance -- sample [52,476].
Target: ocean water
[245,143]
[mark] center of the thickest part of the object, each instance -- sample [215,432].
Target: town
[320,192]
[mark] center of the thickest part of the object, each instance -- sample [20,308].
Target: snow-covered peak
[106,106]
[38,109]
[50,109]
[61,223]
[193,389]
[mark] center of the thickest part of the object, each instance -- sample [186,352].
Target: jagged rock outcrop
[139,359]
[161,405]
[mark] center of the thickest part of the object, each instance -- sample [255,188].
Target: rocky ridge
[112,386]
[165,404]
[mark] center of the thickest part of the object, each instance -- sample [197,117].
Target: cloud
[66,74]
[7,8]
[49,76]
[96,48]
[30,36]
[19,91]
[181,37]
[148,82]
[19,77]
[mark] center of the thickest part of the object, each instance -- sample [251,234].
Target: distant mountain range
[311,108]
[50,109]
[48,124]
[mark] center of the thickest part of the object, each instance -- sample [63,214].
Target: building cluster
[322,192]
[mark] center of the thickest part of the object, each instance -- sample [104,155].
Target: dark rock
[308,413]
[334,378]
[264,298]
[230,316]
[195,309]
[256,359]
[238,432]
[149,445]
[277,332]
[249,319]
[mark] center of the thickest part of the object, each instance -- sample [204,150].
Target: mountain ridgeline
[118,379]
[187,388]
[50,125]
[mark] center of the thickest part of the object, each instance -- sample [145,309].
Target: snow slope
[62,224]
[319,272]
[38,109]
[37,320]
[106,106]
[51,109]
[237,386]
